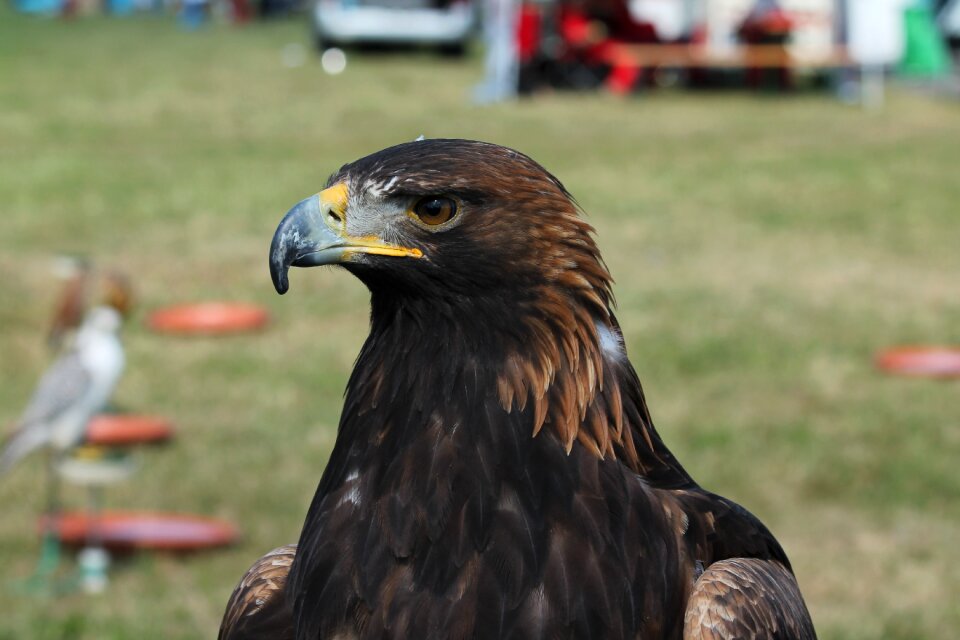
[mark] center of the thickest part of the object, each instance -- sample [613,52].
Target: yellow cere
[335,197]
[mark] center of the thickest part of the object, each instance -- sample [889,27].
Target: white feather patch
[610,340]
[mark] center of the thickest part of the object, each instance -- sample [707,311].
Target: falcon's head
[444,219]
[84,288]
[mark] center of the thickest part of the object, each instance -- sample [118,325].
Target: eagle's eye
[435,210]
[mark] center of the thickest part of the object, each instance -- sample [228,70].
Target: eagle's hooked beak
[314,233]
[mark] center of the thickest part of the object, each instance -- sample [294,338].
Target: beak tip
[280,280]
[279,269]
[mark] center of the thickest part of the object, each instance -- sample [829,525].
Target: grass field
[763,247]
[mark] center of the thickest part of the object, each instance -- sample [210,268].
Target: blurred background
[775,187]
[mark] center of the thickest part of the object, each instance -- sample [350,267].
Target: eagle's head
[483,275]
[445,219]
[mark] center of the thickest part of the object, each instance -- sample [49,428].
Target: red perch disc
[928,362]
[208,318]
[124,430]
[131,531]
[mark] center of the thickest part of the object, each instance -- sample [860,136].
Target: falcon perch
[496,472]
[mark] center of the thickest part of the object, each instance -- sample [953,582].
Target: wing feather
[258,607]
[747,599]
[60,388]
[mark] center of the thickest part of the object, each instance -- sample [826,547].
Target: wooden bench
[739,57]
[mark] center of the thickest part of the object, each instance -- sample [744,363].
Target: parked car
[447,25]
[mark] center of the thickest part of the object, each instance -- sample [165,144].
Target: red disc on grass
[208,318]
[931,362]
[128,531]
[122,430]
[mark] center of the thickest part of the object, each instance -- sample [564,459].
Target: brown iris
[434,210]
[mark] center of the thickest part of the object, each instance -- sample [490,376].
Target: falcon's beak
[314,233]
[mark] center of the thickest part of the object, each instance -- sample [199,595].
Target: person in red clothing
[767,24]
[592,28]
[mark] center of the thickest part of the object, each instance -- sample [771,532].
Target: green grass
[764,249]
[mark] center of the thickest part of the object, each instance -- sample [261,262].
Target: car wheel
[453,50]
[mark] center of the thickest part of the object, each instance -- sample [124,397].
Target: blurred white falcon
[77,385]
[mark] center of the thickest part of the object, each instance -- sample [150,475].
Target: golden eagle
[496,472]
